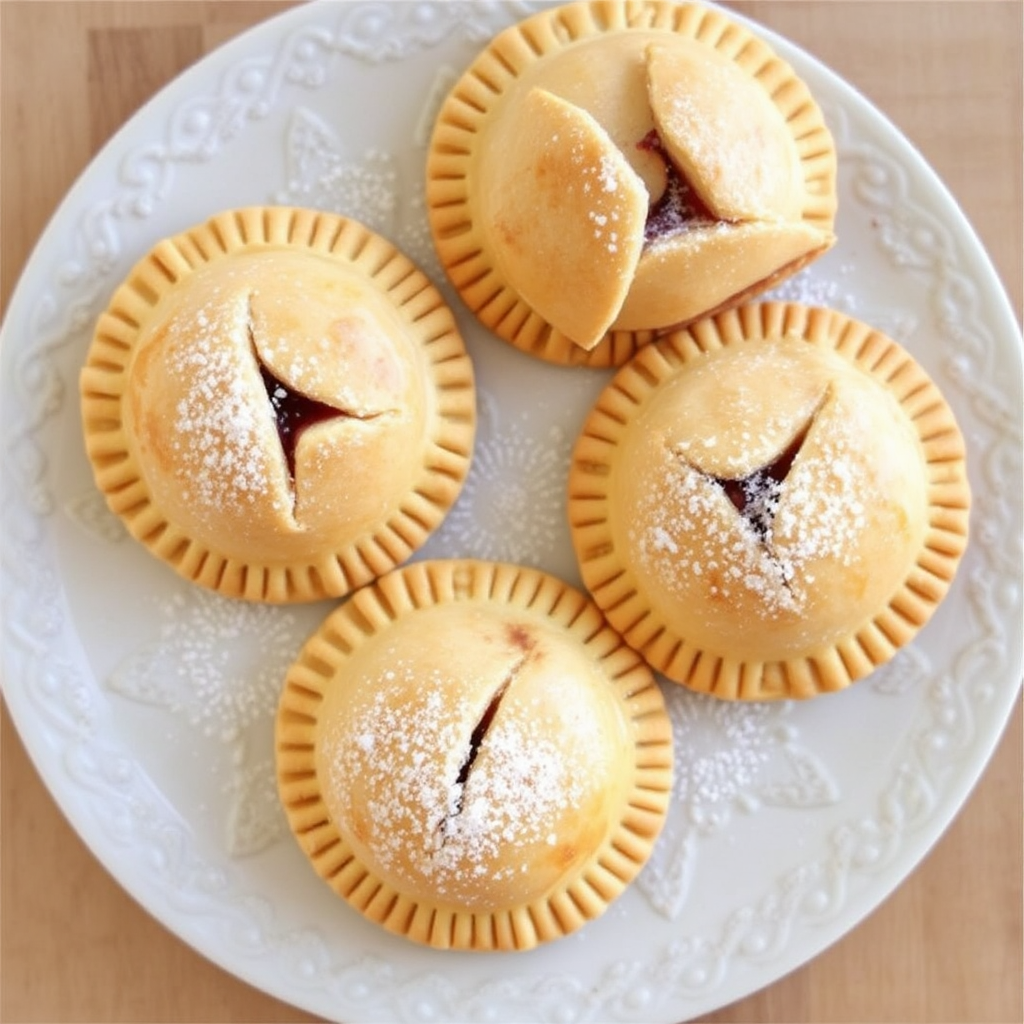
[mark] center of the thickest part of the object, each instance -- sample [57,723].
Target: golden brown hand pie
[278,404]
[770,503]
[471,757]
[604,171]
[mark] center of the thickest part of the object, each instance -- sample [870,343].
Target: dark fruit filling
[479,732]
[294,413]
[475,742]
[679,207]
[756,496]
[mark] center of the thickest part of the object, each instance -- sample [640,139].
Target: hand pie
[604,172]
[770,503]
[278,404]
[471,757]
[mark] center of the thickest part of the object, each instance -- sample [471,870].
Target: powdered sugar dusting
[324,175]
[816,512]
[605,223]
[608,175]
[395,756]
[809,289]
[737,142]
[601,181]
[520,782]
[690,518]
[724,746]
[704,136]
[218,662]
[221,420]
[824,513]
[406,754]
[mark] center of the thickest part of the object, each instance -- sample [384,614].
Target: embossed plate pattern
[146,704]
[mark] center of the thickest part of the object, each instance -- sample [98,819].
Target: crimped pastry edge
[460,244]
[594,884]
[613,585]
[431,324]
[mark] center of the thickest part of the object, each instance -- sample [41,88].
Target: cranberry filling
[679,207]
[294,413]
[756,497]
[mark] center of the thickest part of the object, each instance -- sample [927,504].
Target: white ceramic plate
[146,704]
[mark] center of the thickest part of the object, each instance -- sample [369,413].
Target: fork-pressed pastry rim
[478,97]
[533,596]
[615,585]
[430,328]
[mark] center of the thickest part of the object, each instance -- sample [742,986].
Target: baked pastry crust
[278,404]
[604,171]
[471,757]
[769,503]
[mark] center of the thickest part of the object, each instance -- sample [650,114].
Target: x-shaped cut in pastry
[294,412]
[297,408]
[677,194]
[756,496]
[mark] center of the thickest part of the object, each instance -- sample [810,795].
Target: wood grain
[946,946]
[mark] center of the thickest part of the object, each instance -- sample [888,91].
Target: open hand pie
[278,404]
[471,757]
[770,503]
[605,171]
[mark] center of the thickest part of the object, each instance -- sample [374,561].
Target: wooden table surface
[945,947]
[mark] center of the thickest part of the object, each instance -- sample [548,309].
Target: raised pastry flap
[328,335]
[716,129]
[708,266]
[753,424]
[567,214]
[722,130]
[605,75]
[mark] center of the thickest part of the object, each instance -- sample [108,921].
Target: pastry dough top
[202,422]
[474,756]
[582,146]
[814,553]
